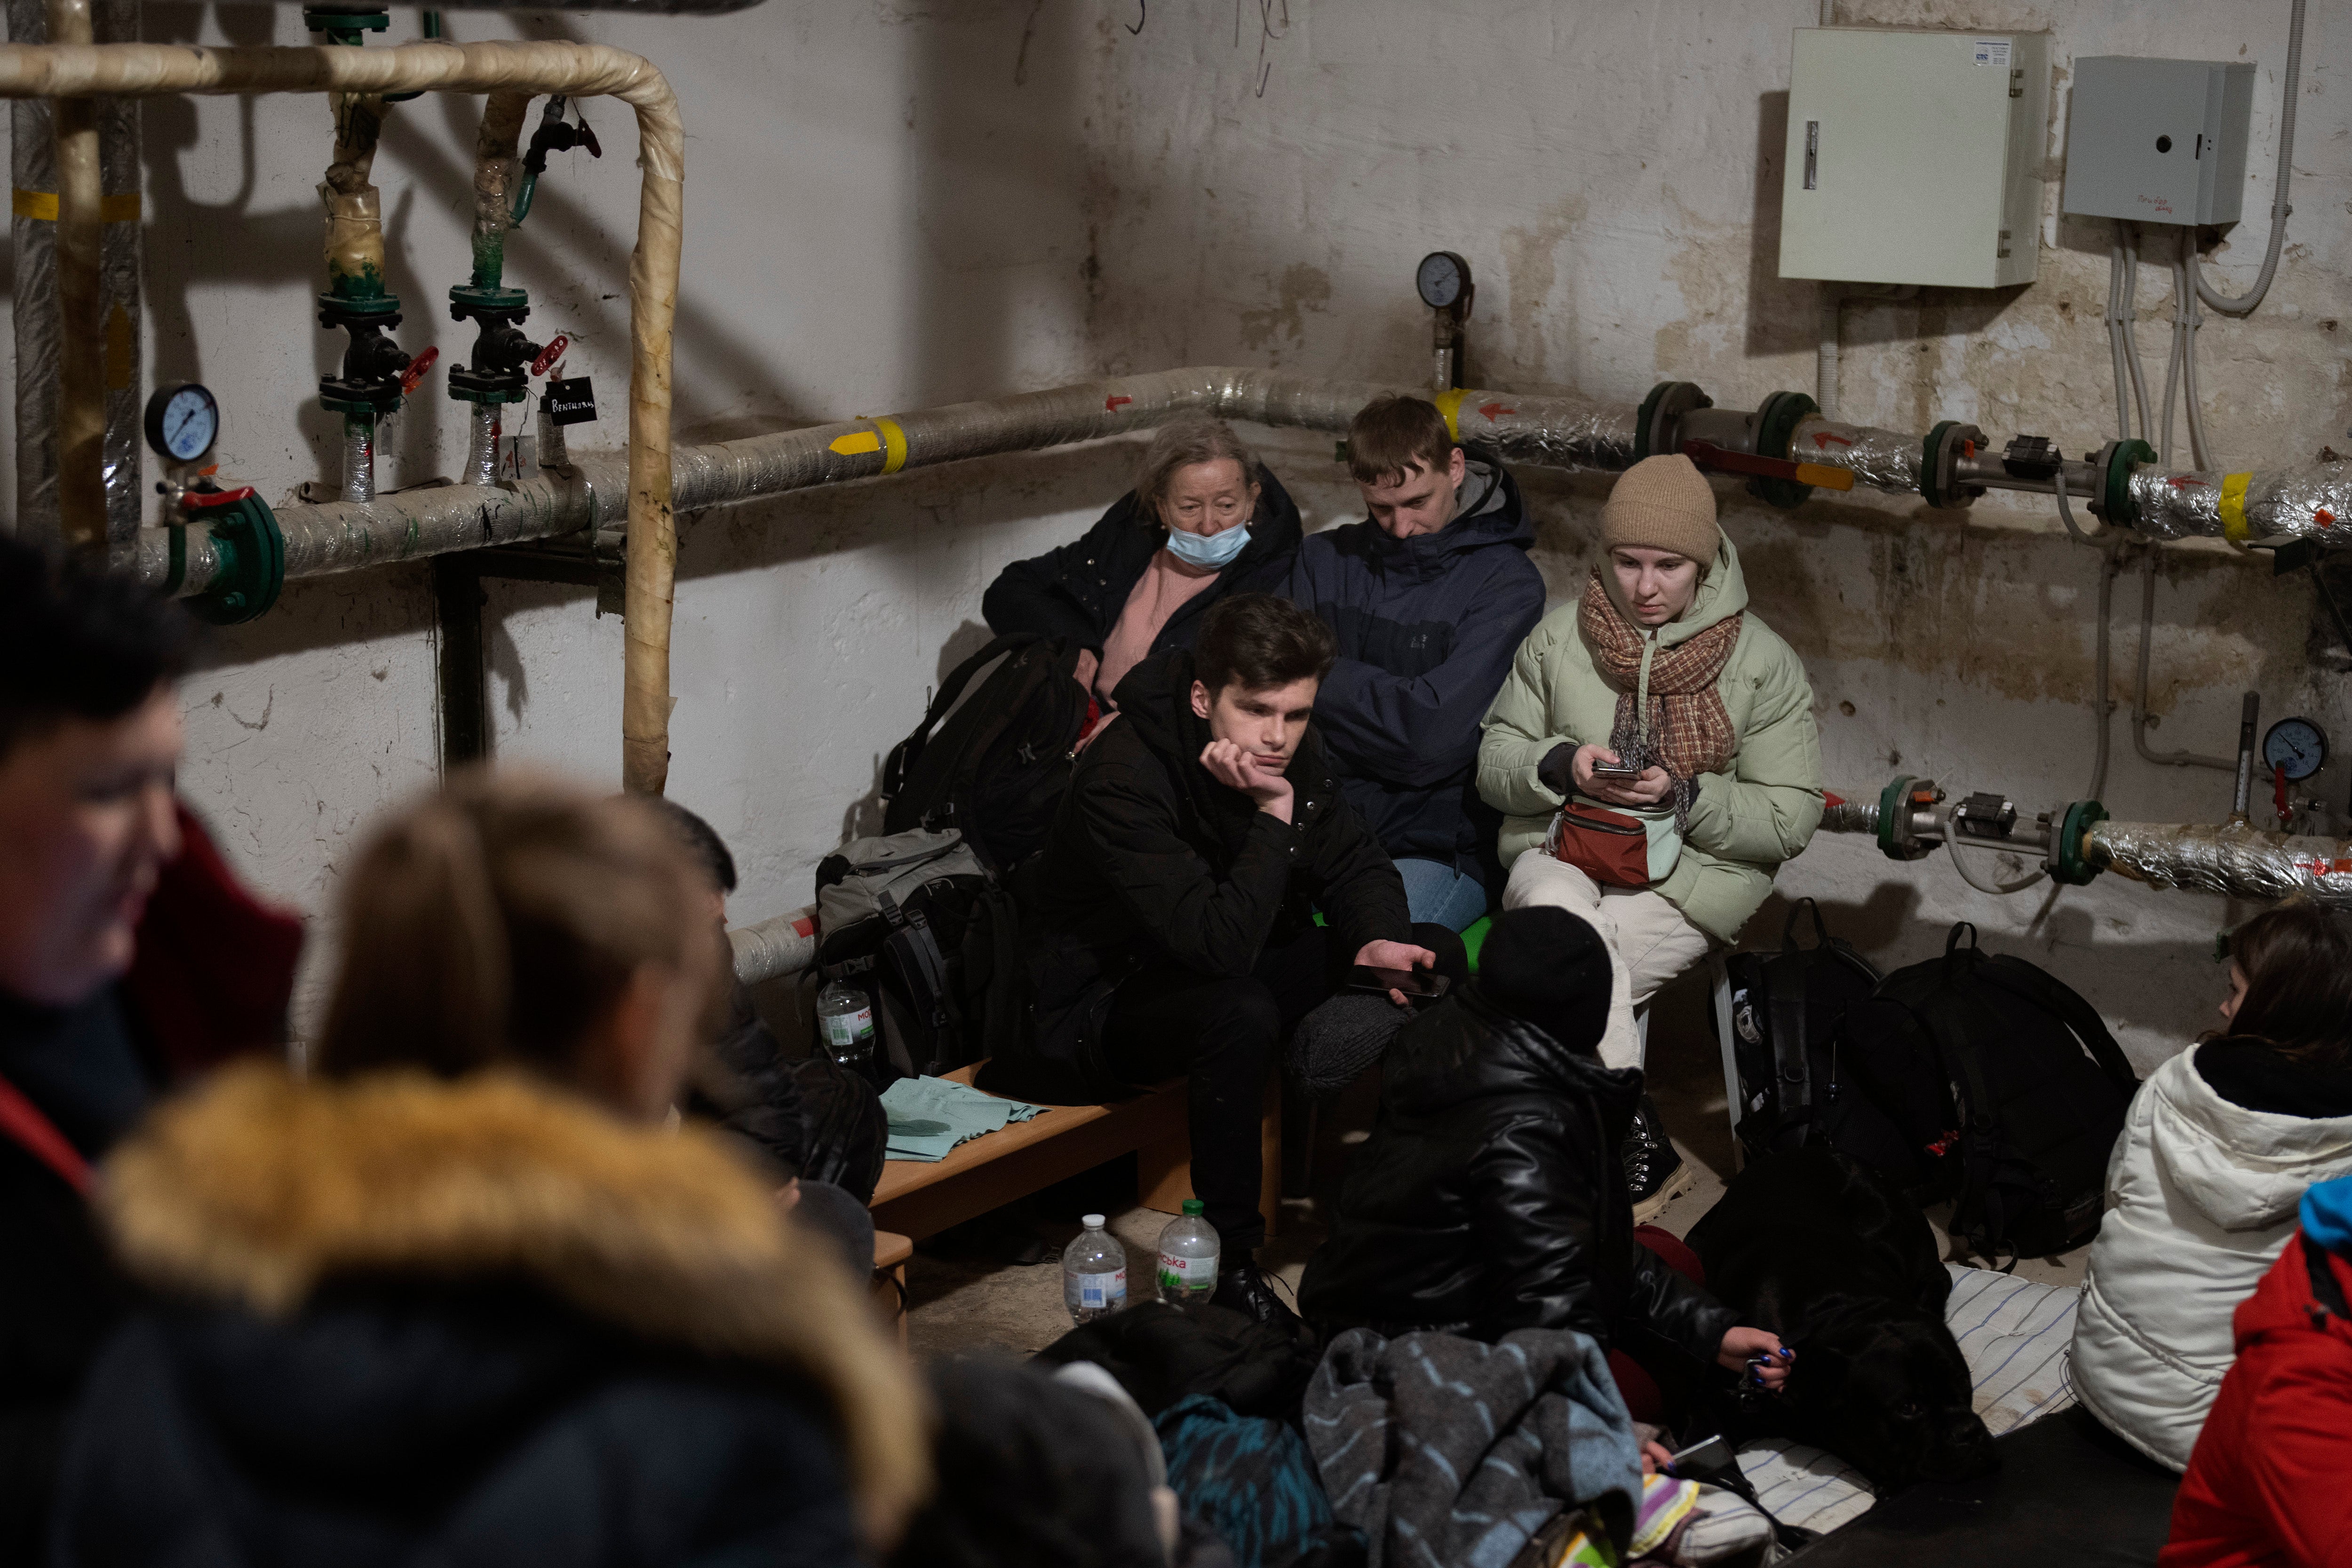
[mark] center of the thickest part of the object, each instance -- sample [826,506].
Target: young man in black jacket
[1490,1197]
[1171,913]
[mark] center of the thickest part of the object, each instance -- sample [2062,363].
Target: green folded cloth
[929,1116]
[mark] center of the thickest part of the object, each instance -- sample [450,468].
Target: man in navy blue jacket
[1430,596]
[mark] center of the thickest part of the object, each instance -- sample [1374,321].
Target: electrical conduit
[81,350]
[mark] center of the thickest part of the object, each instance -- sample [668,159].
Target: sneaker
[1655,1172]
[1244,1288]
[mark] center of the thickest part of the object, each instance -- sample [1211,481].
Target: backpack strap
[1792,1063]
[902,760]
[23,1124]
[2053,995]
[1965,1068]
[2325,1292]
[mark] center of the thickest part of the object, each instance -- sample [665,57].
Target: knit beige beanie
[1662,504]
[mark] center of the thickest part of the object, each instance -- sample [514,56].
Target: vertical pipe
[81,357]
[359,456]
[2241,801]
[32,171]
[354,241]
[120,261]
[482,445]
[1826,353]
[464,709]
[494,177]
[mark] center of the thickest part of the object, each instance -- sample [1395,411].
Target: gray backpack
[921,925]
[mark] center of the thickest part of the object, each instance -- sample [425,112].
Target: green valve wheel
[2067,862]
[252,556]
[2115,503]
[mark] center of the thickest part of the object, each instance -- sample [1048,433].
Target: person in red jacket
[2266,1483]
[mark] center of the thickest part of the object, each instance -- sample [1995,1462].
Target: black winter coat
[1078,591]
[1151,859]
[1490,1197]
[400,1320]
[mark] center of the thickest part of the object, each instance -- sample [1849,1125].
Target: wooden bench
[889,1287]
[918,1199]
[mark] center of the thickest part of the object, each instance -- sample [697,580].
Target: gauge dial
[1444,280]
[2296,749]
[183,422]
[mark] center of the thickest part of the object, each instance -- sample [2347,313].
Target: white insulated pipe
[77,71]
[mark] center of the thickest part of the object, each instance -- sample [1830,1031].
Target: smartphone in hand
[1419,985]
[1628,771]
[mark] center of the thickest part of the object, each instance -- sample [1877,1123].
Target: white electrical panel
[1915,157]
[2158,141]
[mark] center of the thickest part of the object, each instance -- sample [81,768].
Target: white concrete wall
[893,204]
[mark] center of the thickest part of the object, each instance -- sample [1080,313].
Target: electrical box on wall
[2158,141]
[1915,157]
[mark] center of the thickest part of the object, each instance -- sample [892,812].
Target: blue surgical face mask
[1211,551]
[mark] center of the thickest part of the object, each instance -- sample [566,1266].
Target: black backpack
[929,933]
[2005,1088]
[1786,1007]
[991,757]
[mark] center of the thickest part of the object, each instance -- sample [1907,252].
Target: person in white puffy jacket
[2216,1153]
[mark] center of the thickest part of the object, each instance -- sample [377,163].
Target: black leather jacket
[1491,1198]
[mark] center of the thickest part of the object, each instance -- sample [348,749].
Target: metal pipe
[120,157]
[2231,859]
[2311,503]
[81,356]
[482,445]
[495,163]
[775,948]
[577,70]
[1825,366]
[359,457]
[33,297]
[2242,798]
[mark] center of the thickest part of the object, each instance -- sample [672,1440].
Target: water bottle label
[1193,1276]
[1102,1290]
[847,1031]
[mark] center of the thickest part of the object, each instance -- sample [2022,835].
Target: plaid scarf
[1688,730]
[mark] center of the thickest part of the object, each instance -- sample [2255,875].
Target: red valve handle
[203,500]
[549,354]
[416,369]
[588,140]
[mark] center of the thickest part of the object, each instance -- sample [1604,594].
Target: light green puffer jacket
[1744,823]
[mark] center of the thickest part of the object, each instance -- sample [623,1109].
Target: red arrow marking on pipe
[549,354]
[1493,409]
[1821,438]
[1831,797]
[1114,402]
[2186,482]
[2325,518]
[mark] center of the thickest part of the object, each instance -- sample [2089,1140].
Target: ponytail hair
[499,921]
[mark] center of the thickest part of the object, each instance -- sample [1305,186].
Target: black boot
[1244,1288]
[1655,1172]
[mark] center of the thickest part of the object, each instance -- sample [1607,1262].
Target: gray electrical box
[2158,140]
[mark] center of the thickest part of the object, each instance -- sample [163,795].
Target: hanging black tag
[570,402]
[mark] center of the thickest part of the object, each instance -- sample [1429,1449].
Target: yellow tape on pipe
[894,445]
[2233,508]
[1450,404]
[857,443]
[120,207]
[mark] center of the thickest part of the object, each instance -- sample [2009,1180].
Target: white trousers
[1648,939]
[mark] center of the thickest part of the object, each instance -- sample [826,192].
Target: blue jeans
[1437,893]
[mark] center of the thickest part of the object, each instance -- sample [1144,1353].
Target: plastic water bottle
[1094,1273]
[1188,1256]
[844,1023]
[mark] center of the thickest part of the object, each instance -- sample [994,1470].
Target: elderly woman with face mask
[1654,756]
[1205,520]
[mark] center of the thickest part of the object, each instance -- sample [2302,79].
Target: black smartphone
[1422,985]
[1601,769]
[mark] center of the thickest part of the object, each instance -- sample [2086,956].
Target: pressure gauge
[1444,280]
[2296,749]
[183,422]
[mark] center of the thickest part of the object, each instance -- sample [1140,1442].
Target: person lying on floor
[460,1295]
[1661,668]
[1490,1197]
[1205,520]
[1170,918]
[2215,1151]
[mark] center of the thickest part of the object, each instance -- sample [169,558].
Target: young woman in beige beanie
[1654,756]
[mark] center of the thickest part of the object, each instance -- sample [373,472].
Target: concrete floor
[961,1306]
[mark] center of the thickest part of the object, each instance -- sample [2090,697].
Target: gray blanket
[1447,1453]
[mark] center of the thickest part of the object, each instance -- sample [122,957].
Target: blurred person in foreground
[128,959]
[466,1294]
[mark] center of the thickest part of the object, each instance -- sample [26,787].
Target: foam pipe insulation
[2313,503]
[784,945]
[577,70]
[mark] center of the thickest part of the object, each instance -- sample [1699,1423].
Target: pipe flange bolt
[2067,863]
[1654,427]
[1939,461]
[251,553]
[2115,506]
[1775,424]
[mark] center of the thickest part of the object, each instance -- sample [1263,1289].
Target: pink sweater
[1159,594]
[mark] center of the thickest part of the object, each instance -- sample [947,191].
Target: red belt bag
[1609,847]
